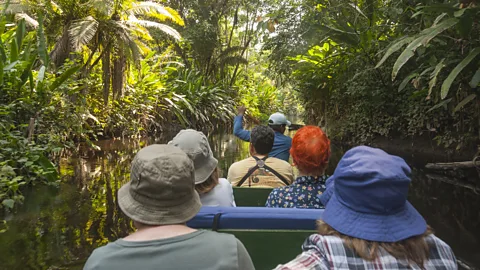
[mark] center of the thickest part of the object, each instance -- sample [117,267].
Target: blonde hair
[414,249]
[209,184]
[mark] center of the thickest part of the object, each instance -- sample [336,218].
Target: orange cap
[310,150]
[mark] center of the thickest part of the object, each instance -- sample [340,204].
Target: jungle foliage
[79,71]
[373,68]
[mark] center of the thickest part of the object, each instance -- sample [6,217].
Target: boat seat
[271,235]
[246,196]
[255,218]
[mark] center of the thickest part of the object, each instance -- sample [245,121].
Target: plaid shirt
[329,252]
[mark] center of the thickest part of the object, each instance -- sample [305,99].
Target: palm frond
[164,28]
[158,11]
[102,6]
[29,20]
[128,43]
[82,31]
[144,49]
[14,7]
[233,60]
[138,30]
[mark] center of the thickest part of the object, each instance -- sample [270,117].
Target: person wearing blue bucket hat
[368,222]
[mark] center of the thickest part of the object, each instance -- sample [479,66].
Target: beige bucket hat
[161,190]
[195,144]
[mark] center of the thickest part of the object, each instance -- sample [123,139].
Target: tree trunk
[106,75]
[118,74]
[62,49]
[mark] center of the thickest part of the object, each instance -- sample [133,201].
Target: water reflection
[58,228]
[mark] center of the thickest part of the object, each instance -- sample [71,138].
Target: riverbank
[422,147]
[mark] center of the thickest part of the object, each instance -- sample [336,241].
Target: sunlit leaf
[156,10]
[163,27]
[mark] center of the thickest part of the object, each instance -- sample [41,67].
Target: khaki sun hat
[195,144]
[161,190]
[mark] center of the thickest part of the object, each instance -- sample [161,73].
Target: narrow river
[57,228]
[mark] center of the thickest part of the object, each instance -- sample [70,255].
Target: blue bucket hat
[369,199]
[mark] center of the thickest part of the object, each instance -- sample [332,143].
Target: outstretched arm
[238,126]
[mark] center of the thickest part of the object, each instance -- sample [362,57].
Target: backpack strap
[256,167]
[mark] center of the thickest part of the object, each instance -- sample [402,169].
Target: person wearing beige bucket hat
[160,198]
[213,191]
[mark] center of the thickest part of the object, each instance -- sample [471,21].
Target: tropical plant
[451,15]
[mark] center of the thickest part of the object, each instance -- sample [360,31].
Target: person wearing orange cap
[310,153]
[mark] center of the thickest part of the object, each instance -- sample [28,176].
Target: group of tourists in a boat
[367,222]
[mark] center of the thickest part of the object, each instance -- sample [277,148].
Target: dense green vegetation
[79,71]
[373,68]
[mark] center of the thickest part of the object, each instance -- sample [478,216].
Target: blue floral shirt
[302,193]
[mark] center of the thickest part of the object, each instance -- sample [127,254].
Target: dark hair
[278,128]
[414,249]
[262,139]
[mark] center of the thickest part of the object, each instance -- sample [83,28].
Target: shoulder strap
[250,171]
[281,177]
[253,169]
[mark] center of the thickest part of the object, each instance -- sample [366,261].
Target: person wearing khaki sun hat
[160,198]
[213,190]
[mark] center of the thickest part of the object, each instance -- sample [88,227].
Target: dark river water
[58,227]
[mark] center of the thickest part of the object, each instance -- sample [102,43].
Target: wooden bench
[272,236]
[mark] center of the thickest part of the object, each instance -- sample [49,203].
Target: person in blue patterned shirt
[368,222]
[310,153]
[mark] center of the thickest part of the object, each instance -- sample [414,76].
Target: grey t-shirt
[197,250]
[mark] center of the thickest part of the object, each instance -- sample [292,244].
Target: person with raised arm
[261,170]
[278,122]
